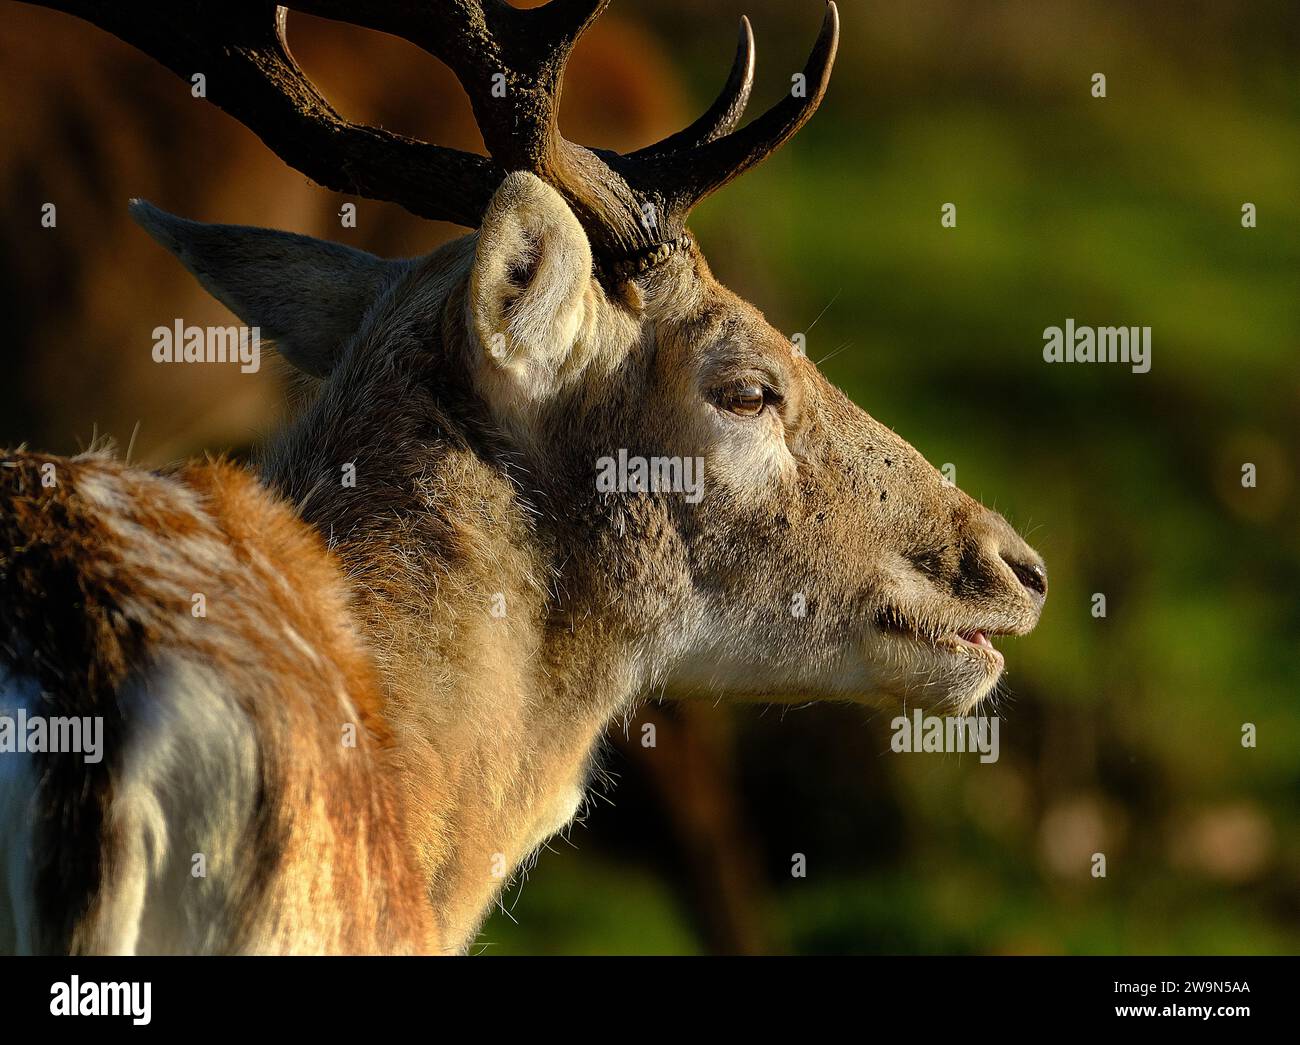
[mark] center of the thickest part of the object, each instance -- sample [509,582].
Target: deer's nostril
[1030,574]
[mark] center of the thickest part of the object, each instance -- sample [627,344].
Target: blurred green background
[1120,735]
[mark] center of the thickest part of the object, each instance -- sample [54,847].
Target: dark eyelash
[721,394]
[770,394]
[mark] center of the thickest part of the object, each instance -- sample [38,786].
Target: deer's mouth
[968,641]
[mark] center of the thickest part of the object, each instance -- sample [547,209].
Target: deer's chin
[955,669]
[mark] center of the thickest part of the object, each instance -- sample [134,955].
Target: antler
[511,64]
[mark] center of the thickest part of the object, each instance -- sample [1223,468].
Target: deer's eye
[743,400]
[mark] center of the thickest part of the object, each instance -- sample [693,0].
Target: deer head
[775,543]
[821,556]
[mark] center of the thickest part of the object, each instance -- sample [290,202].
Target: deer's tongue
[977,638]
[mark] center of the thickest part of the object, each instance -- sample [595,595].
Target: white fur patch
[187,787]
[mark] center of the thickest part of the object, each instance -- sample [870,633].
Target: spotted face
[822,556]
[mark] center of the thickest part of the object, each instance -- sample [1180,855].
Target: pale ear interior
[531,290]
[308,295]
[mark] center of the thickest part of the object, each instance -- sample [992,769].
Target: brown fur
[88,602]
[475,459]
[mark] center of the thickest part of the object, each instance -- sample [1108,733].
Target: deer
[420,612]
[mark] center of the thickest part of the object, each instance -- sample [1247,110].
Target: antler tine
[725,112]
[479,40]
[683,181]
[561,21]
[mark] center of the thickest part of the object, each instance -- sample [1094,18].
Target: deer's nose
[1030,573]
[1023,562]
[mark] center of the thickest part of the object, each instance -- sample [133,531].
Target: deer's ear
[307,295]
[531,290]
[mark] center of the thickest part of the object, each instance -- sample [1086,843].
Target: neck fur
[496,696]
